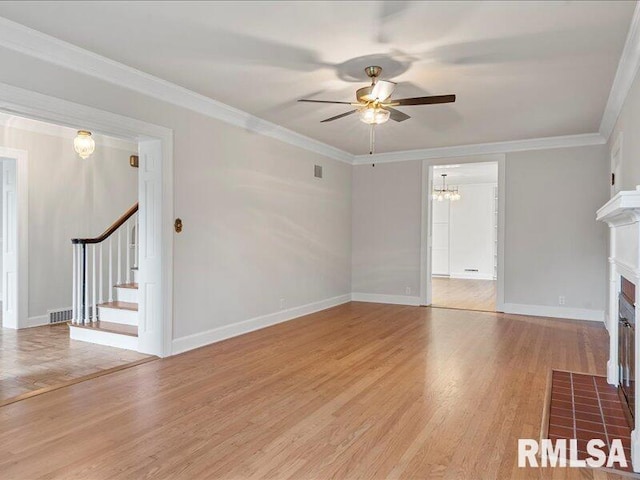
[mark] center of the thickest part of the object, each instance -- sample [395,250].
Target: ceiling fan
[375,105]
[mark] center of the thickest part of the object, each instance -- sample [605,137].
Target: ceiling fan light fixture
[374,115]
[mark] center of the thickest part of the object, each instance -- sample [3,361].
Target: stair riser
[103,338]
[127,294]
[116,315]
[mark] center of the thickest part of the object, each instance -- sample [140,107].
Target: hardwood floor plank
[357,391]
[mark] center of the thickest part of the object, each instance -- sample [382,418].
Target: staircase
[107,316]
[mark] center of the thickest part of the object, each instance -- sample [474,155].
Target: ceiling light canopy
[84,144]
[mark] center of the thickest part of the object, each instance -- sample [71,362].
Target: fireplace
[622,215]
[626,348]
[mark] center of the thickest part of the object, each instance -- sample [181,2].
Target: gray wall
[386,228]
[68,197]
[553,245]
[258,227]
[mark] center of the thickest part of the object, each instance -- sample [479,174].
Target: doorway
[155,188]
[463,225]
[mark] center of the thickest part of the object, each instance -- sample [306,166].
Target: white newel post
[622,214]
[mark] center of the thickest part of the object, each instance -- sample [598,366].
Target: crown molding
[15,122]
[625,75]
[565,141]
[36,44]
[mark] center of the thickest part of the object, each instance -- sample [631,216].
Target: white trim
[554,312]
[109,339]
[21,158]
[502,228]
[35,126]
[471,276]
[43,107]
[36,44]
[565,141]
[625,75]
[36,321]
[390,299]
[214,335]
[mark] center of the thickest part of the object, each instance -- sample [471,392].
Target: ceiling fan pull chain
[372,141]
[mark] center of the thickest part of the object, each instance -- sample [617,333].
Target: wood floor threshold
[464,309]
[84,378]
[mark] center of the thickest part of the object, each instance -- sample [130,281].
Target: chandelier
[445,193]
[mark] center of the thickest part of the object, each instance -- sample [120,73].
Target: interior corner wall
[261,234]
[628,123]
[68,197]
[554,247]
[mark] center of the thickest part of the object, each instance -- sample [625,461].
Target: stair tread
[120,305]
[131,285]
[129,330]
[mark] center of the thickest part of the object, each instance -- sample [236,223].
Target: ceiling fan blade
[382,90]
[331,119]
[424,100]
[323,101]
[397,115]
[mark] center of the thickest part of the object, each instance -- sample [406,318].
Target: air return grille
[59,316]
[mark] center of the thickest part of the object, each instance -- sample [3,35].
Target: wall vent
[60,316]
[317,171]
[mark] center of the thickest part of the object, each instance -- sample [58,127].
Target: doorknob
[178,225]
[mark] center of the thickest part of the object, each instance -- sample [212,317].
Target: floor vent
[59,316]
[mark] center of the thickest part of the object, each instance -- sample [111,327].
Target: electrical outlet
[282,303]
[561,300]
[407,290]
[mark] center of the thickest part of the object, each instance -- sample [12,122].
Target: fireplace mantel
[622,209]
[622,214]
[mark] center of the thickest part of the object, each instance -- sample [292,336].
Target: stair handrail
[88,292]
[109,231]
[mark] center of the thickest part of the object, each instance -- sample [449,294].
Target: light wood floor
[358,391]
[40,357]
[463,293]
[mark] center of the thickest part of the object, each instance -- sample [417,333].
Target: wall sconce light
[84,144]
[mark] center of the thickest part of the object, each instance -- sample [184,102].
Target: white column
[94,298]
[128,243]
[100,277]
[110,283]
[74,301]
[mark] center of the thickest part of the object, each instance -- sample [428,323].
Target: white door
[9,244]
[150,312]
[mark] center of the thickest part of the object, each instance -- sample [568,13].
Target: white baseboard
[36,321]
[556,312]
[471,276]
[214,335]
[391,299]
[103,338]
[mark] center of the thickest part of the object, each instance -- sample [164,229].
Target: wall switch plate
[561,300]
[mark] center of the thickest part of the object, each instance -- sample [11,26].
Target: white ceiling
[520,70]
[467,173]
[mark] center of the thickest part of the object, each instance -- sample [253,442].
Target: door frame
[26,103]
[426,233]
[20,235]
